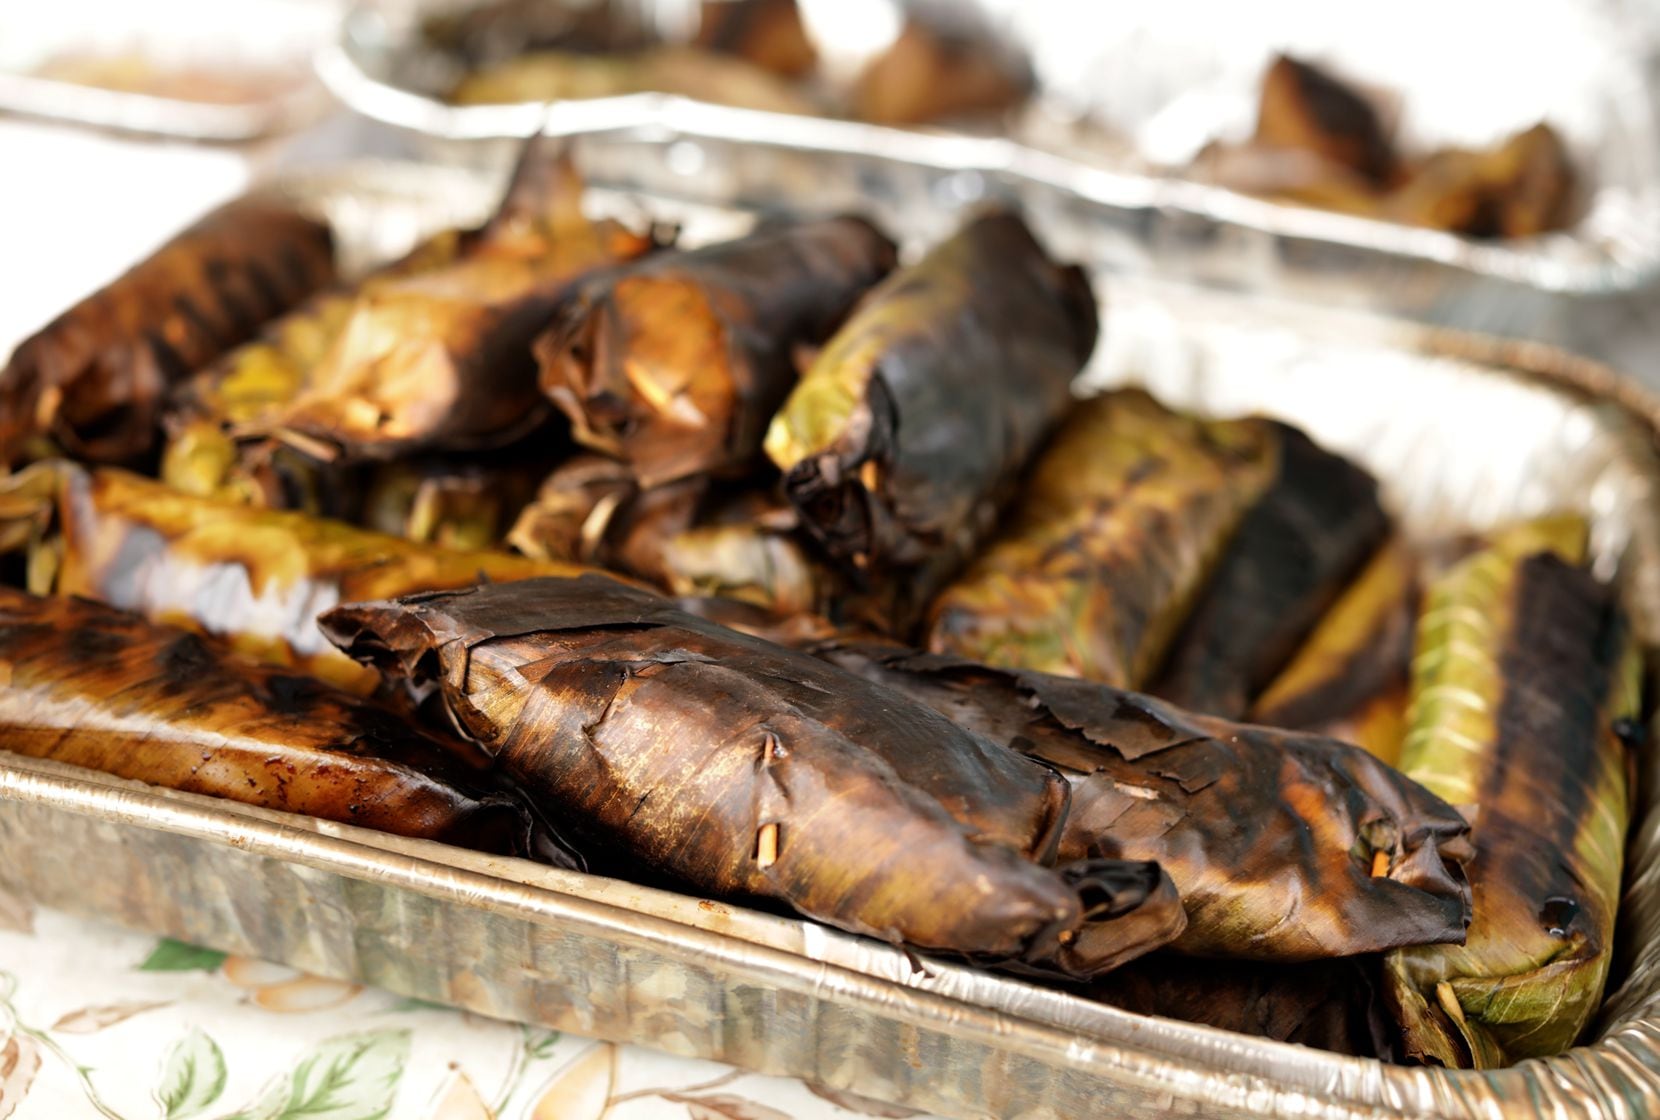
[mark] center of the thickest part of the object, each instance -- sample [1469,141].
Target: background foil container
[1463,432]
[274,38]
[1127,94]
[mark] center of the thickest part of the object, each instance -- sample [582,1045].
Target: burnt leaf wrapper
[253,576]
[1350,680]
[94,381]
[591,510]
[907,434]
[429,354]
[1525,677]
[676,363]
[1303,107]
[768,33]
[1119,524]
[737,768]
[89,685]
[1284,847]
[1293,553]
[1333,1005]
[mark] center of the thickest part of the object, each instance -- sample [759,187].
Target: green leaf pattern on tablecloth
[192,1076]
[142,1029]
[352,1077]
[176,956]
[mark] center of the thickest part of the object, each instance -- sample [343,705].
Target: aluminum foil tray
[273,38]
[1127,94]
[1463,432]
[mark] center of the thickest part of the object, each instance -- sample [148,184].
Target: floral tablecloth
[97,1021]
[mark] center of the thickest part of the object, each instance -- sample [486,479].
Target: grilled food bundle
[789,571]
[752,54]
[1322,142]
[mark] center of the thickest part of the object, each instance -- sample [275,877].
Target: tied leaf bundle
[94,381]
[255,577]
[428,354]
[739,768]
[1340,855]
[1524,674]
[85,684]
[1289,559]
[1350,680]
[908,433]
[675,363]
[1121,520]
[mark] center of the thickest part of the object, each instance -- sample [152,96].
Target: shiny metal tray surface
[274,36]
[1126,95]
[1463,432]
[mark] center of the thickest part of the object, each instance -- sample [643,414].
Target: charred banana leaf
[930,73]
[676,362]
[1340,855]
[750,547]
[1332,1005]
[1350,680]
[93,686]
[1121,521]
[440,359]
[1522,188]
[1294,552]
[908,433]
[94,381]
[208,451]
[742,769]
[592,511]
[765,564]
[255,577]
[768,33]
[1525,680]
[471,503]
[1304,108]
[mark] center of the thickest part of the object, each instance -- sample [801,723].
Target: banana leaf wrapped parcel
[592,510]
[1290,558]
[1119,524]
[94,381]
[255,577]
[434,355]
[675,363]
[743,769]
[1524,688]
[1284,847]
[1304,108]
[210,415]
[933,72]
[466,502]
[441,360]
[768,33]
[86,684]
[759,559]
[1350,680]
[908,433]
